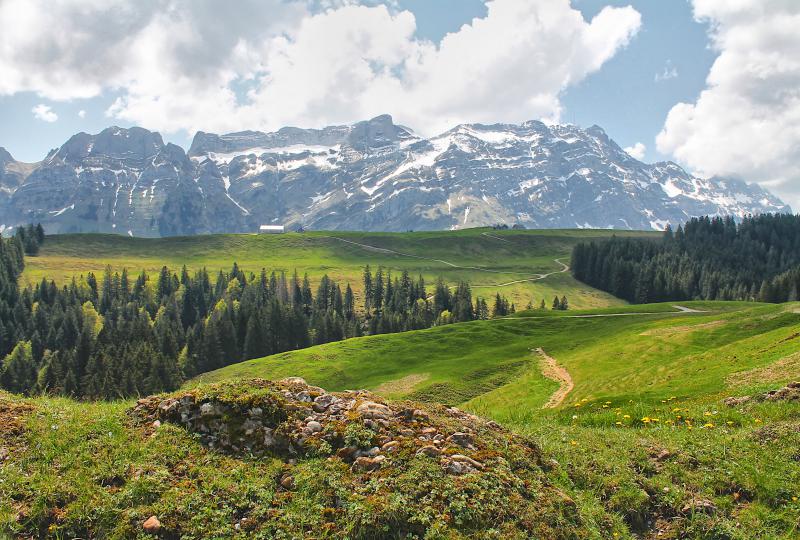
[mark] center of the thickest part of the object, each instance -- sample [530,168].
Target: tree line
[125,335]
[705,259]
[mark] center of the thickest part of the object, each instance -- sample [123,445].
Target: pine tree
[18,372]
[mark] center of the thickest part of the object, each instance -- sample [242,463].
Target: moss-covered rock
[371,468]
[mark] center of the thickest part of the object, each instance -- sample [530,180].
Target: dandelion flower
[573,443]
[619,423]
[708,426]
[626,417]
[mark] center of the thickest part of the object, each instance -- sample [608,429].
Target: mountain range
[372,175]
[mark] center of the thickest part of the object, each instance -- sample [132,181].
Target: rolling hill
[669,427]
[507,261]
[641,353]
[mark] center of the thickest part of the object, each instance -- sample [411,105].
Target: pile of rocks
[291,419]
[790,392]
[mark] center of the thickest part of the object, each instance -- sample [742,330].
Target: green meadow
[491,261]
[645,353]
[644,434]
[639,443]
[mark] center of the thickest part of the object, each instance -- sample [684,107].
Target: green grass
[518,256]
[644,353]
[643,384]
[647,381]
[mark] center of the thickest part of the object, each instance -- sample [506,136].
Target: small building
[271,229]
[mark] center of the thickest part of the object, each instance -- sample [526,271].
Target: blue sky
[710,84]
[623,97]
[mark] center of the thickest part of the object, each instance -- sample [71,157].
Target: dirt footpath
[553,371]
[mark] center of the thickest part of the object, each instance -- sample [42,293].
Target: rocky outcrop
[291,419]
[371,175]
[790,392]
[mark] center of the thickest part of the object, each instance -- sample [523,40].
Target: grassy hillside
[636,352]
[644,434]
[642,446]
[503,261]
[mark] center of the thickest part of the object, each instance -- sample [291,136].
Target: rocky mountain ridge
[372,175]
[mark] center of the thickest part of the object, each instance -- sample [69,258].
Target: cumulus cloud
[746,121]
[636,151]
[82,113]
[186,65]
[44,113]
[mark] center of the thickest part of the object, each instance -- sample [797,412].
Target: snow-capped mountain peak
[371,175]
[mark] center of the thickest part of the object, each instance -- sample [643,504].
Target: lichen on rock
[290,419]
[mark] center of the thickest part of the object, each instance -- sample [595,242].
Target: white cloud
[182,65]
[669,72]
[44,113]
[747,120]
[81,113]
[636,151]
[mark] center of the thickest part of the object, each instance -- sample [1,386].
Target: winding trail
[680,311]
[487,235]
[555,372]
[534,277]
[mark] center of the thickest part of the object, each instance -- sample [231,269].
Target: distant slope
[484,257]
[491,366]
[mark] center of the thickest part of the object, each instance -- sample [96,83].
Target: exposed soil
[403,385]
[777,371]
[675,330]
[555,372]
[12,424]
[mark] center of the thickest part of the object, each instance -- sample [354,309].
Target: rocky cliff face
[373,175]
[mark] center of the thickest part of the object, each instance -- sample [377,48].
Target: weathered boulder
[152,525]
[374,411]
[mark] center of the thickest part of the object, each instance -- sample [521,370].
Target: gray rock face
[373,175]
[12,174]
